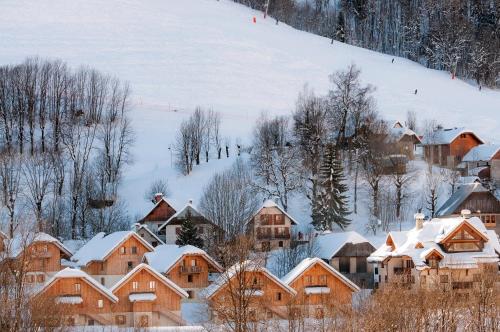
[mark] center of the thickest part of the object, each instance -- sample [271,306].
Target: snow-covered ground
[178,54]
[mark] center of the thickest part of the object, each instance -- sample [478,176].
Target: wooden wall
[43,257]
[200,280]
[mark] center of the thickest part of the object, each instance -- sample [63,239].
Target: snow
[19,242]
[142,297]
[137,227]
[398,133]
[188,208]
[178,54]
[195,312]
[330,243]
[317,290]
[483,152]
[165,256]
[69,299]
[446,136]
[458,197]
[101,245]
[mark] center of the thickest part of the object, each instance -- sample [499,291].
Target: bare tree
[10,175]
[411,120]
[432,190]
[158,186]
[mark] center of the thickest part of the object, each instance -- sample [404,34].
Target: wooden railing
[191,269]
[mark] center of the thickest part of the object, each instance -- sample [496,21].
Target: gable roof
[77,273]
[446,136]
[397,133]
[137,227]
[101,246]
[167,282]
[272,204]
[18,243]
[163,200]
[166,256]
[459,196]
[307,263]
[189,207]
[330,243]
[483,152]
[247,266]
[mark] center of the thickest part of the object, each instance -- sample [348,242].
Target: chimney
[419,220]
[158,197]
[465,213]
[191,201]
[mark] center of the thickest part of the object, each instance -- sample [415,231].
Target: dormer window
[433,263]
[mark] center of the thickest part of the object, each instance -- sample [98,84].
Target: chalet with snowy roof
[271,227]
[108,258]
[85,301]
[319,287]
[479,160]
[478,200]
[147,234]
[146,298]
[37,253]
[447,147]
[267,296]
[403,140]
[347,252]
[442,252]
[206,229]
[161,212]
[187,266]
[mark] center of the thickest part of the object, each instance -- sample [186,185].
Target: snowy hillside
[178,54]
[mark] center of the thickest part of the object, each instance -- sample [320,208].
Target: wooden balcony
[190,269]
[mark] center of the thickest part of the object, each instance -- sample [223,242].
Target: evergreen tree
[331,205]
[189,234]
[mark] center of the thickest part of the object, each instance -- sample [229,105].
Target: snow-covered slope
[181,53]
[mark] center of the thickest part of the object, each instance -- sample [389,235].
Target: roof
[272,204]
[446,136]
[182,213]
[101,246]
[459,196]
[167,282]
[306,263]
[483,152]
[17,244]
[77,273]
[398,133]
[166,256]
[247,266]
[137,227]
[431,235]
[330,243]
[164,200]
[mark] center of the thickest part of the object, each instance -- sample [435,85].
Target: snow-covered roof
[397,133]
[137,227]
[18,243]
[483,152]
[169,283]
[330,243]
[162,200]
[245,266]
[166,256]
[429,239]
[182,213]
[101,246]
[446,136]
[307,263]
[272,204]
[69,272]
[459,196]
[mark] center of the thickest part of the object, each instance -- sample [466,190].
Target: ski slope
[178,54]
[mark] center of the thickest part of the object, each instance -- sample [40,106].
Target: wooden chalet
[320,289]
[147,299]
[37,253]
[403,140]
[187,266]
[271,227]
[481,161]
[161,212]
[266,295]
[107,258]
[443,253]
[347,252]
[147,234]
[447,147]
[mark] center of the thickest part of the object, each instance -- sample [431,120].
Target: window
[120,320]
[129,265]
[190,294]
[123,251]
[345,264]
[433,263]
[45,248]
[30,278]
[91,322]
[77,288]
[155,244]
[135,285]
[100,303]
[323,280]
[409,264]
[278,296]
[190,278]
[361,265]
[103,281]
[443,278]
[466,272]
[280,244]
[376,270]
[40,278]
[102,266]
[152,285]
[134,250]
[193,262]
[308,280]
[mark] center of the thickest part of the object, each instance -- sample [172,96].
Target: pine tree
[331,204]
[188,234]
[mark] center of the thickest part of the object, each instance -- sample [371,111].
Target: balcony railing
[191,269]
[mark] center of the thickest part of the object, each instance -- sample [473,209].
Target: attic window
[134,250]
[123,250]
[152,285]
[100,303]
[77,288]
[135,285]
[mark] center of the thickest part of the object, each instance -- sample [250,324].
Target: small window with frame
[123,250]
[100,304]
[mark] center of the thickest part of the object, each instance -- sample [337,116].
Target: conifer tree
[331,204]
[188,234]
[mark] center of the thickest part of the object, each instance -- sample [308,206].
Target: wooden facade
[351,261]
[450,154]
[161,212]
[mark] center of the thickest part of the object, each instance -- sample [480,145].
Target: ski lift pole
[267,8]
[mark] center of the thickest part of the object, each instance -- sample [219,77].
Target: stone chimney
[419,220]
[158,197]
[466,214]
